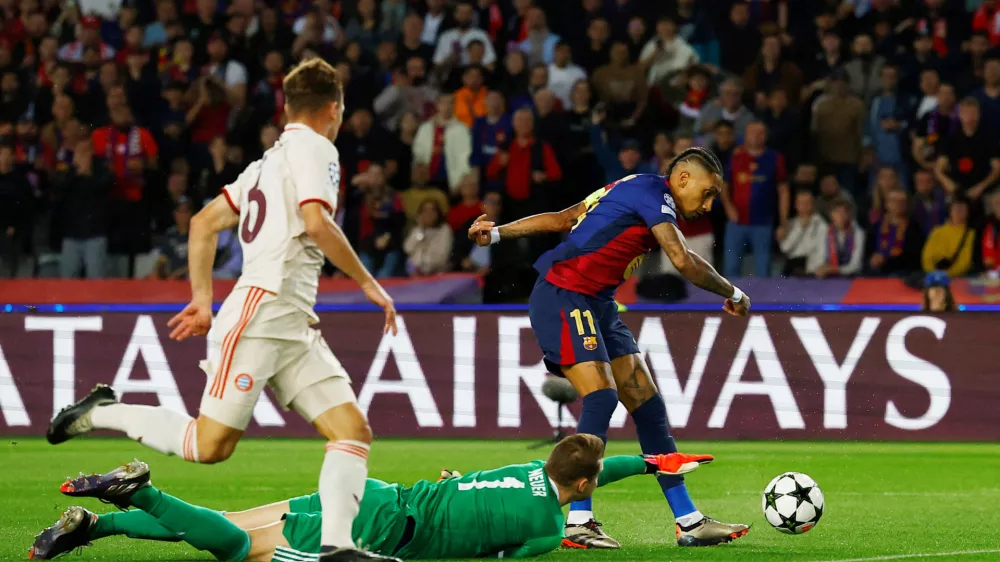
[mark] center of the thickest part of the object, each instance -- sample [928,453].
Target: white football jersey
[278,255]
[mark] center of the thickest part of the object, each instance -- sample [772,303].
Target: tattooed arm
[542,223]
[695,269]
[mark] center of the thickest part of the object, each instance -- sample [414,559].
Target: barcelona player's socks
[654,438]
[595,417]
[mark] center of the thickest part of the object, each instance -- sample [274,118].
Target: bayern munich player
[283,207]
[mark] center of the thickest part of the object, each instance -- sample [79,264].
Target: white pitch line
[924,555]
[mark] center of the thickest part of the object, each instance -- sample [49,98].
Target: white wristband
[737,294]
[494,235]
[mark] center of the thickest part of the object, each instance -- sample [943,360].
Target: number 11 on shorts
[589,341]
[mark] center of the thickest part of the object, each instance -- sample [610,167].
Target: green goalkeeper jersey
[512,511]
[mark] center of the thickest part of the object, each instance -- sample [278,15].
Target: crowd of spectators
[859,136]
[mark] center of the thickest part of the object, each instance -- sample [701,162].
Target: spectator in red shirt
[208,117]
[130,150]
[469,205]
[528,165]
[88,35]
[987,19]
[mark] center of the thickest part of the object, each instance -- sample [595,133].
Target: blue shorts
[573,327]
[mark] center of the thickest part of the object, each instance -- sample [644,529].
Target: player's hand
[446,474]
[194,320]
[377,295]
[675,463]
[741,308]
[479,232]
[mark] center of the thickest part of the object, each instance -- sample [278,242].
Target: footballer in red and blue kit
[577,324]
[572,308]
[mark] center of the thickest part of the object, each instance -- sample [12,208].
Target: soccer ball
[792,503]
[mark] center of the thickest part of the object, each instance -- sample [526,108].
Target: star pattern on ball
[770,497]
[800,493]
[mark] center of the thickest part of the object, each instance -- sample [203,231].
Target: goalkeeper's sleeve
[623,466]
[534,547]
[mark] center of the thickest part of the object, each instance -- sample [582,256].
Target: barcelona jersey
[612,237]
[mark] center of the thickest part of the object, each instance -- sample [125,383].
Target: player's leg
[640,396]
[566,330]
[227,403]
[129,486]
[316,386]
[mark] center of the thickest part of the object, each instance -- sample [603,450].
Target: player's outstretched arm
[331,240]
[196,318]
[484,232]
[697,270]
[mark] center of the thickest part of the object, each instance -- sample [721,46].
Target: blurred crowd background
[859,136]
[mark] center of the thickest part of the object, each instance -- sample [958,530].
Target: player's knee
[362,431]
[215,452]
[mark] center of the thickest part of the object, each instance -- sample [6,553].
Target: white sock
[579,517]
[690,519]
[167,431]
[341,486]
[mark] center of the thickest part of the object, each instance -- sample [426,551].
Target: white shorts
[257,340]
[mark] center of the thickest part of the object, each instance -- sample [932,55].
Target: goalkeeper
[514,511]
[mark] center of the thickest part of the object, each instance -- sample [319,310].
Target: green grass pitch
[884,501]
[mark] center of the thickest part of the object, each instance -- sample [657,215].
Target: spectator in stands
[756,184]
[986,254]
[782,122]
[723,141]
[82,195]
[468,207]
[538,77]
[527,166]
[443,144]
[969,162]
[666,54]
[15,212]
[937,295]
[838,124]
[540,43]
[410,44]
[409,92]
[865,67]
[628,160]
[895,241]
[827,59]
[986,19]
[550,124]
[88,35]
[930,84]
[434,19]
[915,66]
[930,207]
[489,132]
[949,246]
[663,152]
[228,255]
[470,100]
[844,243]
[380,237]
[513,79]
[364,26]
[804,241]
[888,113]
[563,74]
[772,71]
[934,128]
[230,73]
[989,95]
[452,45]
[727,107]
[428,246]
[171,252]
[739,39]
[596,52]
[621,86]
[886,181]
